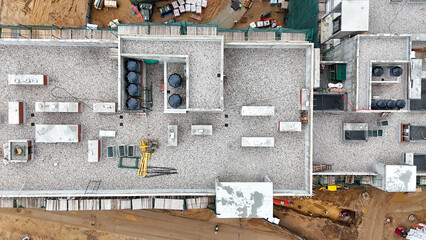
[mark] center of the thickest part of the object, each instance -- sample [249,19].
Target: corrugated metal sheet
[30,202]
[170,204]
[110,204]
[73,205]
[141,203]
[6,203]
[62,205]
[51,205]
[89,204]
[197,203]
[125,204]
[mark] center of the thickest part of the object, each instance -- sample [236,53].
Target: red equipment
[400,232]
[283,202]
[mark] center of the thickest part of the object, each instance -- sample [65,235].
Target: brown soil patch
[62,13]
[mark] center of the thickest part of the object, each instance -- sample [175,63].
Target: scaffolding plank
[78,34]
[174,30]
[159,30]
[293,37]
[65,34]
[133,29]
[261,36]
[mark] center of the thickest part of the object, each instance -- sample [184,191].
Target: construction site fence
[355,181]
[109,203]
[55,32]
[46,31]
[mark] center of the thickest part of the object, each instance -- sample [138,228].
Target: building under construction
[165,116]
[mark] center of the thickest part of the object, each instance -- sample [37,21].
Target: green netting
[303,14]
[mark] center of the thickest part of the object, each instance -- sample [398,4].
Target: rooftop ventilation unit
[175,80]
[175,100]
[133,66]
[133,77]
[134,104]
[133,90]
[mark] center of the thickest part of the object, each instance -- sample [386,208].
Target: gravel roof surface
[396,18]
[91,76]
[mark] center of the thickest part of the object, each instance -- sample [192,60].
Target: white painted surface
[290,126]
[104,107]
[13,79]
[172,135]
[14,117]
[257,142]
[244,199]
[201,130]
[57,107]
[94,150]
[56,133]
[400,178]
[106,133]
[257,111]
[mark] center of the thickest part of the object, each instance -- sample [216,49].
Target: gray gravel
[88,74]
[396,18]
[204,65]
[377,49]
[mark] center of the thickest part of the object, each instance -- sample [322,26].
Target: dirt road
[312,222]
[92,225]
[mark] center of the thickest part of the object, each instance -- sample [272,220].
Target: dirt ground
[62,13]
[312,222]
[120,225]
[72,13]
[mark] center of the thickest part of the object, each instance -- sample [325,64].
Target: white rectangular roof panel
[94,151]
[17,113]
[105,107]
[244,199]
[257,142]
[290,126]
[39,80]
[257,111]
[201,130]
[62,107]
[172,139]
[400,178]
[58,133]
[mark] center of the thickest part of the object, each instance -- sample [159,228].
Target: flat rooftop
[360,156]
[89,75]
[396,18]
